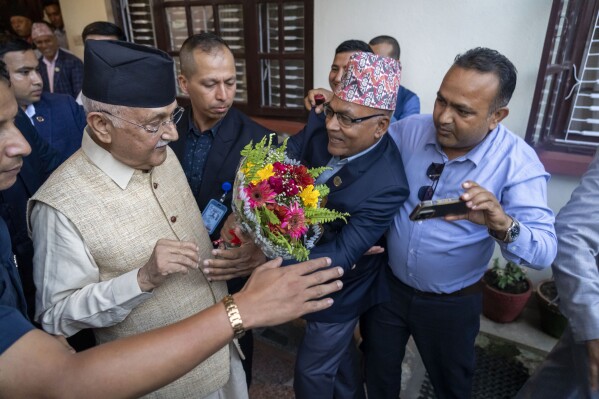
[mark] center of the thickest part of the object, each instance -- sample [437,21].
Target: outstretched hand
[274,294]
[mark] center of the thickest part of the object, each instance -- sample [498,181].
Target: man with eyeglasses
[435,266]
[117,233]
[365,179]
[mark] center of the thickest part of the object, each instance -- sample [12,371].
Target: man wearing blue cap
[117,232]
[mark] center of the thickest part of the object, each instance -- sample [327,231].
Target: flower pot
[553,322]
[503,307]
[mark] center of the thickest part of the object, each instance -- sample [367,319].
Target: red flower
[280,168]
[276,183]
[235,241]
[300,174]
[291,188]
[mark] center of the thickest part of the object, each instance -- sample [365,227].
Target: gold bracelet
[234,316]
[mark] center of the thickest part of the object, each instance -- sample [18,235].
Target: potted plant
[505,292]
[553,322]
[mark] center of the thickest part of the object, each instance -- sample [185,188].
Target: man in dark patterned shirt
[212,134]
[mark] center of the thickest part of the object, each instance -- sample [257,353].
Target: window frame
[566,160]
[251,54]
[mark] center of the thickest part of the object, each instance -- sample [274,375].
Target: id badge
[213,214]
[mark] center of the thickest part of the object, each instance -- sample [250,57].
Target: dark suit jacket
[372,189]
[36,168]
[234,133]
[68,74]
[60,121]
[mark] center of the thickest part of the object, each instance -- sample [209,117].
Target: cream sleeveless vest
[120,228]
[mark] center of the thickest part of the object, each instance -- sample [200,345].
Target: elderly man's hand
[310,100]
[168,257]
[484,208]
[275,294]
[234,261]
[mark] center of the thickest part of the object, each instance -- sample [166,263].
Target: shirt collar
[195,130]
[30,111]
[356,156]
[51,63]
[476,154]
[119,172]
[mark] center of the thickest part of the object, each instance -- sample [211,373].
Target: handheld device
[438,208]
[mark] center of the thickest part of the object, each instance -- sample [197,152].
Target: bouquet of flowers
[276,200]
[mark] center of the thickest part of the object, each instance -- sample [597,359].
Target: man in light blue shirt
[435,265]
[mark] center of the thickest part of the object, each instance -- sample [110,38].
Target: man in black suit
[211,136]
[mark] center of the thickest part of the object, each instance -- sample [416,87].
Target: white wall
[431,33]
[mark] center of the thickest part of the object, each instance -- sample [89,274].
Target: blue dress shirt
[443,257]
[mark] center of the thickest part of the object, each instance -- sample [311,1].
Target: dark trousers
[326,365]
[444,329]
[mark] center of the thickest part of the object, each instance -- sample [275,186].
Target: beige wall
[77,14]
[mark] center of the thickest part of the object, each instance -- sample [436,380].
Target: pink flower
[259,194]
[294,222]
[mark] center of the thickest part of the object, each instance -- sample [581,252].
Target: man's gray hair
[90,105]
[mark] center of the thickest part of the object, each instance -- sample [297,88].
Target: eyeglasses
[433,172]
[343,119]
[175,117]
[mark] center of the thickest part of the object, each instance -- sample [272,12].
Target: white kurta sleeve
[70,296]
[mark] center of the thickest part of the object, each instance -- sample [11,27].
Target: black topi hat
[129,74]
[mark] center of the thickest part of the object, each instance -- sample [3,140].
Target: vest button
[155,185]
[173,219]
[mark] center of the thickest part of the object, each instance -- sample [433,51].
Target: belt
[470,290]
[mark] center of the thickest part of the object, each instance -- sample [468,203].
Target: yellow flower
[247,167]
[309,196]
[264,174]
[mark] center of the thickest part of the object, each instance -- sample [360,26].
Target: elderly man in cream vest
[117,233]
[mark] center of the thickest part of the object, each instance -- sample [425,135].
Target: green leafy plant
[511,278]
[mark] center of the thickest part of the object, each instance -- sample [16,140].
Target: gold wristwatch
[234,316]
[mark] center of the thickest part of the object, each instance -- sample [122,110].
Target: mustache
[162,143]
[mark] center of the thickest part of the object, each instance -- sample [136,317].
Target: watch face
[514,231]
